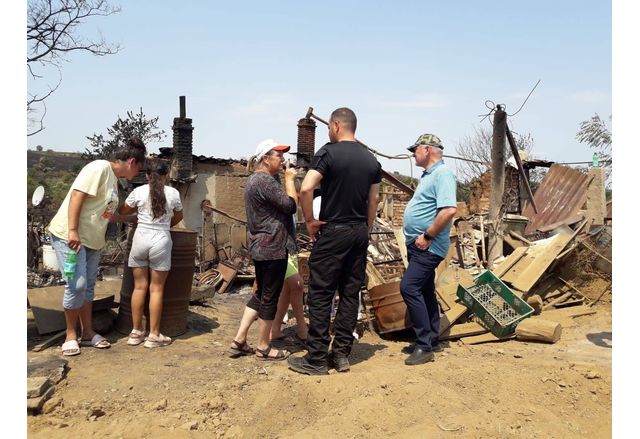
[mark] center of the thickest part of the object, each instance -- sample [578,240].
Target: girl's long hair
[156,169]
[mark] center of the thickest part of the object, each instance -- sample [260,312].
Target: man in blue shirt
[426,225]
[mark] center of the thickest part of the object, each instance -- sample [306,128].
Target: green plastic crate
[494,303]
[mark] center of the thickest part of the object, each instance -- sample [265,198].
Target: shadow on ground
[603,339]
[363,351]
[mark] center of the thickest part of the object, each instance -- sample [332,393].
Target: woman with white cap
[269,207]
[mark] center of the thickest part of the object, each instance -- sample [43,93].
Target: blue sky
[250,70]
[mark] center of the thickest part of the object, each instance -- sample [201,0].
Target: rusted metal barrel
[389,308]
[177,289]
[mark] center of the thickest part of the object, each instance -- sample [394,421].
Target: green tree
[463,192]
[135,125]
[595,133]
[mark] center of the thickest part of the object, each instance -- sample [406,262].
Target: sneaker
[136,337]
[339,363]
[302,365]
[157,341]
[419,356]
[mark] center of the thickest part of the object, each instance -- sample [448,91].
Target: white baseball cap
[267,145]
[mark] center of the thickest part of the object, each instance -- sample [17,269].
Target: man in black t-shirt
[349,177]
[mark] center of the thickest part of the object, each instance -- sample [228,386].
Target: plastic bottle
[70,265]
[594,161]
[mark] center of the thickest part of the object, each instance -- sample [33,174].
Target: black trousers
[338,262]
[270,278]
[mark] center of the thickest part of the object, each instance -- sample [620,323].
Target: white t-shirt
[317,204]
[139,198]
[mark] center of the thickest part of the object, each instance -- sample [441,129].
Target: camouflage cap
[427,140]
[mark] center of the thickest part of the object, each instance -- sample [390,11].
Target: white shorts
[151,248]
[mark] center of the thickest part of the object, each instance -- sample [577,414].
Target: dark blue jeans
[419,293]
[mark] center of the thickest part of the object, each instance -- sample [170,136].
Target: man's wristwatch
[427,236]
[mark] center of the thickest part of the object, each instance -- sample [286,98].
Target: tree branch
[52,34]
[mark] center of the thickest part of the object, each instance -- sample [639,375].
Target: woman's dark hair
[133,148]
[155,170]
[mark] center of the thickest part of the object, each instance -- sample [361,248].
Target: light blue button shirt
[437,189]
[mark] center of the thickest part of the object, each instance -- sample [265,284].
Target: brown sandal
[240,349]
[264,354]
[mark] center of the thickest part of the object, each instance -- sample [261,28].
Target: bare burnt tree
[476,149]
[52,35]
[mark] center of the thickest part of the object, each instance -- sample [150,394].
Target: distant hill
[55,171]
[59,161]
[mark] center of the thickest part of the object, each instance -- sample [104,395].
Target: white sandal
[136,337]
[157,341]
[70,348]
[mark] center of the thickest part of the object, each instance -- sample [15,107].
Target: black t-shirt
[348,170]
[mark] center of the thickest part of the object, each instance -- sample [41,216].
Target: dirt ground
[510,389]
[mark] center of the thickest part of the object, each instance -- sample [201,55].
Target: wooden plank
[596,199]
[402,246]
[447,281]
[557,300]
[513,243]
[530,276]
[509,261]
[565,252]
[50,341]
[519,237]
[397,183]
[575,311]
[451,316]
[573,302]
[484,338]
[463,330]
[442,300]
[374,278]
[607,288]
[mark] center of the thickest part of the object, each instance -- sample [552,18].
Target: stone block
[34,405]
[36,386]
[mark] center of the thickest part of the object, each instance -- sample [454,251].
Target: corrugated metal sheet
[561,195]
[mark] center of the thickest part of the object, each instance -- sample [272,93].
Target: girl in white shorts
[159,208]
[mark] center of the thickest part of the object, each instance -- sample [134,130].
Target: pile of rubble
[556,265]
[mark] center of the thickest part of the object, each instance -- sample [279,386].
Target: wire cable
[525,101]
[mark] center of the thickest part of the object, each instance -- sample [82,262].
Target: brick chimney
[182,144]
[306,142]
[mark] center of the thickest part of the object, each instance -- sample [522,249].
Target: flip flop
[70,348]
[98,342]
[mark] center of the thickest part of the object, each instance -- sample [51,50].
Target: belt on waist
[329,226]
